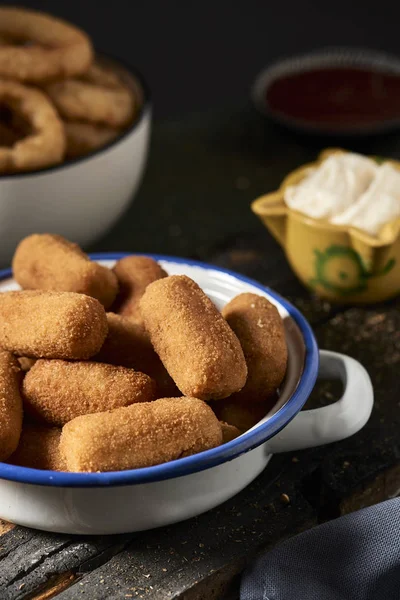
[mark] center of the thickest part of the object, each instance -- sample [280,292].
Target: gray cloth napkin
[356,557]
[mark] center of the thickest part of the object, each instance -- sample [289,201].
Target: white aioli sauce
[349,189]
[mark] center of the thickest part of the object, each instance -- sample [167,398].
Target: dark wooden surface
[194,202]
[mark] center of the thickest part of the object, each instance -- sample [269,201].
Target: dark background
[199,56]
[211,153]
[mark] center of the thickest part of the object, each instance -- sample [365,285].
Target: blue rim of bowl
[144,109]
[203,460]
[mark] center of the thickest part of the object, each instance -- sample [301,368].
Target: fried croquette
[26,363]
[51,263]
[259,328]
[195,343]
[10,404]
[51,324]
[128,345]
[240,413]
[134,274]
[229,432]
[56,391]
[140,435]
[39,448]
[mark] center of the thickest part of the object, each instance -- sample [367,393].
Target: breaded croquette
[140,435]
[240,413]
[26,363]
[56,391]
[10,404]
[128,345]
[50,262]
[259,328]
[229,432]
[51,324]
[134,273]
[39,448]
[195,343]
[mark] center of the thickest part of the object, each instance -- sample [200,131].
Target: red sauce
[337,97]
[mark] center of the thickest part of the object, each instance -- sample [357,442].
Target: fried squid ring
[81,101]
[44,145]
[58,48]
[8,137]
[101,75]
[83,138]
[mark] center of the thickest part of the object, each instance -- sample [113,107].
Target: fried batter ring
[58,49]
[82,101]
[45,144]
[83,138]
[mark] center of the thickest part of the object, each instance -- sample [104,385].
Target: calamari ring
[8,137]
[81,101]
[44,145]
[4,40]
[58,48]
[97,97]
[103,76]
[83,138]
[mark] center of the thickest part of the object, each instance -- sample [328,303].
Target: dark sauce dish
[334,92]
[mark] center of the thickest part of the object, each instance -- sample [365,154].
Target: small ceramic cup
[338,262]
[336,91]
[81,198]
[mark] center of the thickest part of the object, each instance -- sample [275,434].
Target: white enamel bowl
[81,198]
[135,500]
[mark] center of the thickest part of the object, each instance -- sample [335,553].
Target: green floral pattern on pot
[339,269]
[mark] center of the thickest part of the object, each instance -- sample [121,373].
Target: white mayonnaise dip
[378,205]
[349,189]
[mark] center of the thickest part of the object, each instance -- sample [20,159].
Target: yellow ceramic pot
[340,263]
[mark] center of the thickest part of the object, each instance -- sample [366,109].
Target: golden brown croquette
[26,363]
[195,343]
[259,328]
[140,435]
[56,391]
[229,432]
[51,324]
[128,345]
[39,448]
[240,413]
[10,404]
[49,262]
[134,273]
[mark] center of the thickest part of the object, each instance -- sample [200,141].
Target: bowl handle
[336,421]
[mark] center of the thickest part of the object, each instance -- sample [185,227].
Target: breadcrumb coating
[26,363]
[56,391]
[50,262]
[10,404]
[229,432]
[241,413]
[127,344]
[39,448]
[259,328]
[195,343]
[51,324]
[134,274]
[140,435]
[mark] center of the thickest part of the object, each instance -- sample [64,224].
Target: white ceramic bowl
[135,500]
[81,198]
